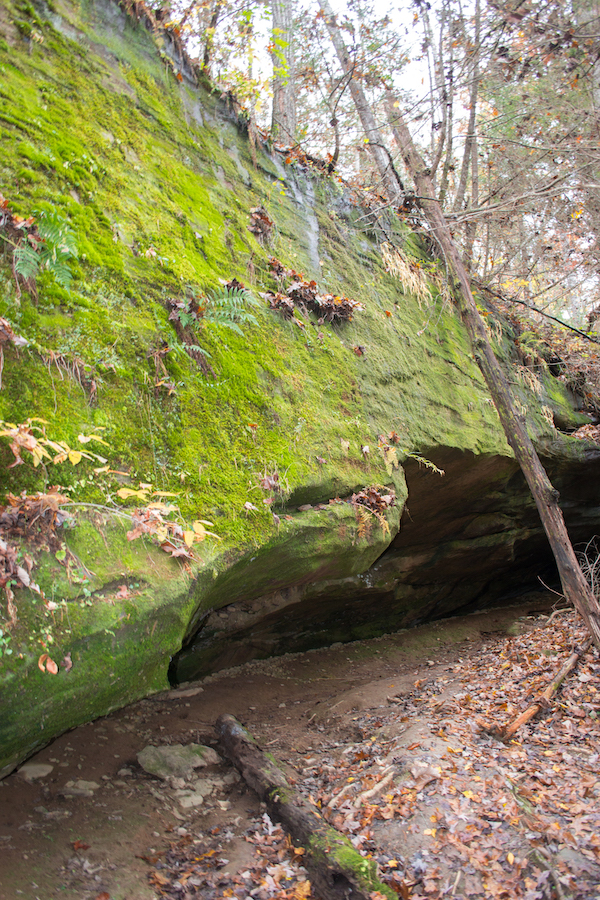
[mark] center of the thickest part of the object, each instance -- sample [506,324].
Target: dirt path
[371,731]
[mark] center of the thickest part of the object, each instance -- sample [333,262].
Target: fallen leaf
[80,845]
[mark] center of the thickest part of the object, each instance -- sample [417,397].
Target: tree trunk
[471,139]
[336,868]
[390,183]
[283,122]
[574,584]
[210,37]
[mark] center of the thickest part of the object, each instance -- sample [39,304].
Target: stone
[190,799]
[176,759]
[33,771]
[179,694]
[79,788]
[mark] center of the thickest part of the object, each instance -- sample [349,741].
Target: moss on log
[336,869]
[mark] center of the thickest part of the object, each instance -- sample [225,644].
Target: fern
[54,247]
[26,261]
[228,308]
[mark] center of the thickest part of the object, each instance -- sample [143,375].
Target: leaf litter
[405,766]
[446,809]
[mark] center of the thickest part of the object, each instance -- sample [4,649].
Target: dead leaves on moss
[34,517]
[22,438]
[174,539]
[261,224]
[304,295]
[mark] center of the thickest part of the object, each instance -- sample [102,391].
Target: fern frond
[228,308]
[61,272]
[26,261]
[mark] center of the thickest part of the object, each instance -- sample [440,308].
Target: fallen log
[337,870]
[506,731]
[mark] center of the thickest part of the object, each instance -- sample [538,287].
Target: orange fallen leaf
[46,664]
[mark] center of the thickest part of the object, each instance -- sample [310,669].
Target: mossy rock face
[111,639]
[105,124]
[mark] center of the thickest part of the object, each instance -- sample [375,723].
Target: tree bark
[283,121]
[574,584]
[210,37]
[376,146]
[336,869]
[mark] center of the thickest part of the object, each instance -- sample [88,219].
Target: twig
[508,730]
[552,591]
[366,795]
[333,802]
[556,613]
[545,315]
[541,859]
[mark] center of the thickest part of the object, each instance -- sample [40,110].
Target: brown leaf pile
[193,867]
[373,499]
[304,295]
[515,821]
[260,224]
[34,517]
[588,433]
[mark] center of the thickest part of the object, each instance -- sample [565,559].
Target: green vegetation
[160,381]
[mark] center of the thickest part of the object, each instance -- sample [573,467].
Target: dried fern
[411,277]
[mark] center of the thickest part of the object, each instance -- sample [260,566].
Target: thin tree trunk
[470,140]
[283,122]
[443,90]
[449,105]
[379,153]
[210,36]
[574,584]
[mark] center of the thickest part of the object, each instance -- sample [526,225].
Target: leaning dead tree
[574,584]
[337,870]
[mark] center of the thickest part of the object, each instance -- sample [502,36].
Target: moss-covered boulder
[178,415]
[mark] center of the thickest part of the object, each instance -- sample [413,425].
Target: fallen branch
[368,795]
[336,868]
[509,729]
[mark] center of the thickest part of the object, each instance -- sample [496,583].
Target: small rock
[124,771]
[176,759]
[224,804]
[75,792]
[32,771]
[206,786]
[178,693]
[85,785]
[79,789]
[232,777]
[189,799]
[176,783]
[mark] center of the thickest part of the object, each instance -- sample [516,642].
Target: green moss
[331,849]
[159,203]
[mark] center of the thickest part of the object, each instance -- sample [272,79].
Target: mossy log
[336,869]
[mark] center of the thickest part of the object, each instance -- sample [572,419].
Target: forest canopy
[501,100]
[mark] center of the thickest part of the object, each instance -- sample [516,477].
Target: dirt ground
[374,732]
